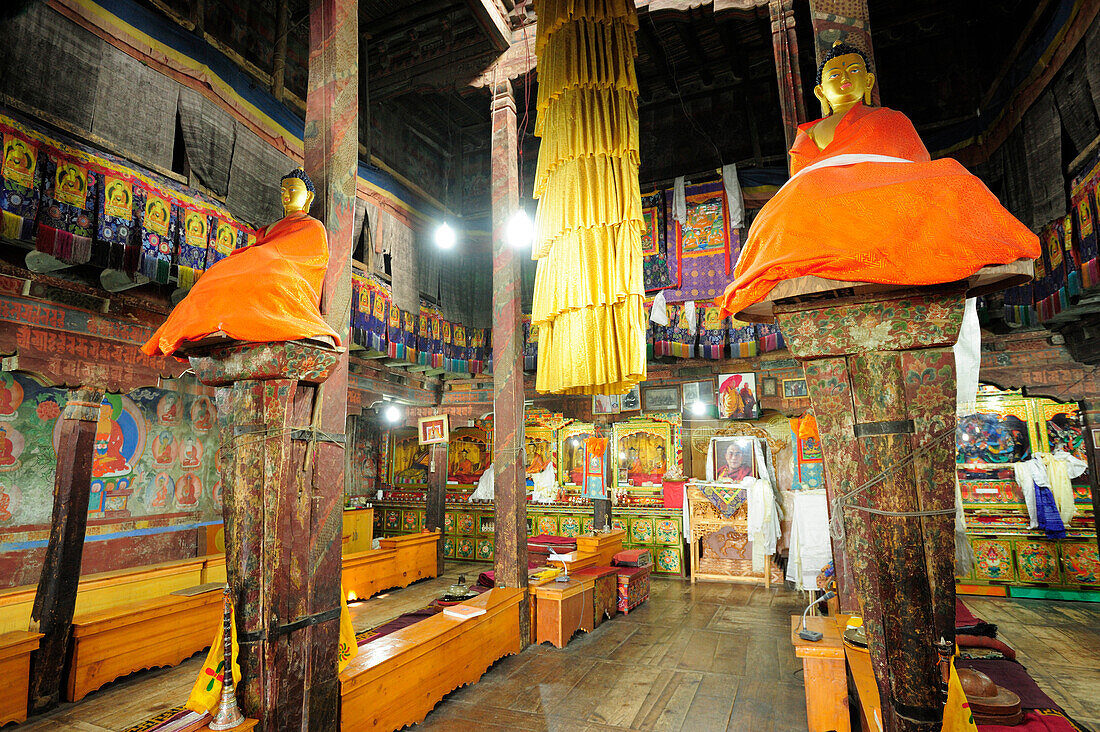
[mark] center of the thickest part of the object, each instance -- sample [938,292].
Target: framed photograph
[433,430]
[769,386]
[733,458]
[631,401]
[1095,438]
[737,396]
[661,399]
[605,404]
[698,391]
[795,389]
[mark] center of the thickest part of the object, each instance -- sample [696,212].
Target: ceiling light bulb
[392,413]
[444,236]
[698,408]
[521,230]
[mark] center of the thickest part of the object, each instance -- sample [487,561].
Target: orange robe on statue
[905,223]
[270,291]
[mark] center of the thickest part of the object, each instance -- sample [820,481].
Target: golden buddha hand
[297,192]
[843,80]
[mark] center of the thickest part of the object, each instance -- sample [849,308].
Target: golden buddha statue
[270,291]
[866,203]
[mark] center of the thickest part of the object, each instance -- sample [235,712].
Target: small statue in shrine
[866,203]
[270,291]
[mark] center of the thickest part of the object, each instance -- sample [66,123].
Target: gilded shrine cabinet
[645,448]
[1004,430]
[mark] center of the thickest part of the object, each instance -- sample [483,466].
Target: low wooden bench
[161,631]
[16,648]
[401,561]
[104,590]
[396,680]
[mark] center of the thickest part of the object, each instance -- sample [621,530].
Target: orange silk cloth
[919,223]
[270,291]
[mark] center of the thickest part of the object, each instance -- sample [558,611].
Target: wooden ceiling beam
[493,22]
[411,16]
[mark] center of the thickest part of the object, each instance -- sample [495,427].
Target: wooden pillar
[331,144]
[55,599]
[847,21]
[510,533]
[881,376]
[785,46]
[437,496]
[281,506]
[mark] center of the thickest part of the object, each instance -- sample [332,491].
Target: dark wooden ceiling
[708,90]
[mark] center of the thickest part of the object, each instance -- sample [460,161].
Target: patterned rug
[176,718]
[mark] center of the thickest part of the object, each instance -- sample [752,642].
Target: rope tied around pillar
[844,501]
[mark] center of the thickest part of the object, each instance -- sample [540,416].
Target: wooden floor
[705,657]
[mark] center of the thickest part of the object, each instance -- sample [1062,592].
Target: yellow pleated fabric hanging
[588,286]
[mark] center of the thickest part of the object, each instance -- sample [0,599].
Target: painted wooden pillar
[847,21]
[437,497]
[510,532]
[331,144]
[785,46]
[881,376]
[279,533]
[55,599]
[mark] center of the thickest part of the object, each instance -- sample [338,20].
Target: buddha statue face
[844,82]
[296,197]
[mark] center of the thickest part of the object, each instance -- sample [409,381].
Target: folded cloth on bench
[968,623]
[981,641]
[1038,720]
[402,621]
[557,542]
[633,558]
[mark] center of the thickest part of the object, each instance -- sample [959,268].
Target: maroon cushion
[633,558]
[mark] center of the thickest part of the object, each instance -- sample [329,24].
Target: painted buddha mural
[866,203]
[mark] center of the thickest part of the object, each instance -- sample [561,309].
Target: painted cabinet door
[993,560]
[1037,561]
[1081,563]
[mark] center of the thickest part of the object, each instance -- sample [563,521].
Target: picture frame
[661,399]
[1096,438]
[605,404]
[698,391]
[433,430]
[733,458]
[737,396]
[769,386]
[795,389]
[631,401]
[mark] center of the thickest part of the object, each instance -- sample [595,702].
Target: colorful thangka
[705,248]
[657,266]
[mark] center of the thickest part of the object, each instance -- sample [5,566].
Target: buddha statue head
[843,79]
[297,191]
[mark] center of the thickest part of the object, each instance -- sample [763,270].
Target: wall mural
[154,455]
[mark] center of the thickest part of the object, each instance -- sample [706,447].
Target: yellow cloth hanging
[588,304]
[207,691]
[957,715]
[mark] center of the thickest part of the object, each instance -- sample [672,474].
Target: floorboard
[694,658]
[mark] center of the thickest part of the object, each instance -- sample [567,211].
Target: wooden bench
[563,609]
[16,648]
[825,678]
[105,590]
[401,561]
[396,680]
[161,631]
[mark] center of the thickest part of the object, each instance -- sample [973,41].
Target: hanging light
[698,408]
[392,413]
[445,236]
[521,230]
